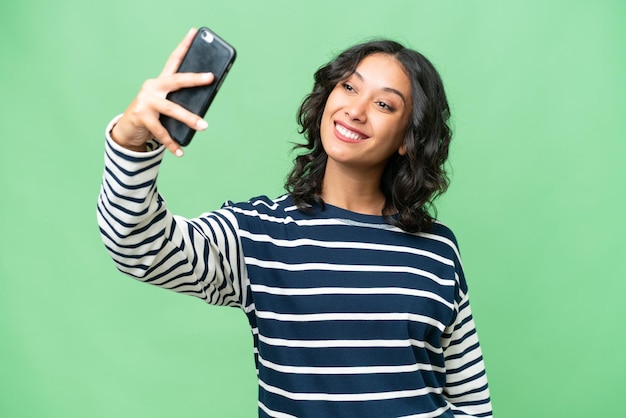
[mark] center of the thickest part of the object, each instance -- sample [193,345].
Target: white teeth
[348,133]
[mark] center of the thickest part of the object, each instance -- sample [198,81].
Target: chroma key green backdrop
[538,95]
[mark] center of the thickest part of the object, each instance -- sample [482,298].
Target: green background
[538,95]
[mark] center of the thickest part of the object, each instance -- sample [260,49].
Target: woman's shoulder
[441,229]
[441,232]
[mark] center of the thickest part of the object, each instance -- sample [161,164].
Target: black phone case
[207,53]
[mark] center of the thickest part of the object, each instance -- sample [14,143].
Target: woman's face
[366,115]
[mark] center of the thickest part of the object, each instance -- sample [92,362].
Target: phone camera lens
[207,36]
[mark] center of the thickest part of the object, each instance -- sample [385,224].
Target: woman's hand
[140,123]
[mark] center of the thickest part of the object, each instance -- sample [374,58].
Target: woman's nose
[356,110]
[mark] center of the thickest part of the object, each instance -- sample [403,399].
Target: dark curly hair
[410,182]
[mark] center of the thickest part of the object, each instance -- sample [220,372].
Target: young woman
[355,295]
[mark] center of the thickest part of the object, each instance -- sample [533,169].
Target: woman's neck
[354,191]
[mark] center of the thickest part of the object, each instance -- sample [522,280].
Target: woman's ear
[402,150]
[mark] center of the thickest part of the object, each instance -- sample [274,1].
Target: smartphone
[207,53]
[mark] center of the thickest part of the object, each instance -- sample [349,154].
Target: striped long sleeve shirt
[350,317]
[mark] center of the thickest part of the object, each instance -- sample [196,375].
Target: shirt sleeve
[200,257]
[466,388]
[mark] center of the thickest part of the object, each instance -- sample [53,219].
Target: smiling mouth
[349,134]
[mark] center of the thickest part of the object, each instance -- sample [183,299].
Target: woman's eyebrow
[387,89]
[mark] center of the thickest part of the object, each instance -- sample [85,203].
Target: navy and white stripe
[350,316]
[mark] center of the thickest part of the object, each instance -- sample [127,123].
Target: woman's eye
[347,87]
[385,106]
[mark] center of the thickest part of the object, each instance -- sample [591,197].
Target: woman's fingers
[176,57]
[181,114]
[161,135]
[151,121]
[141,120]
[175,111]
[165,84]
